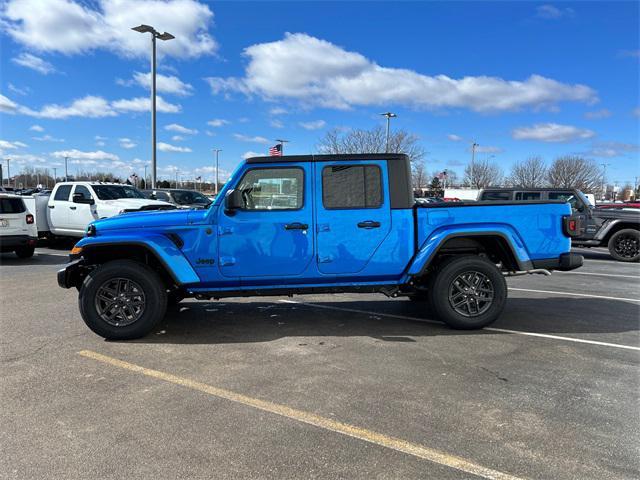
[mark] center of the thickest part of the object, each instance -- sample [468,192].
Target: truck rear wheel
[468,292]
[122,300]
[624,245]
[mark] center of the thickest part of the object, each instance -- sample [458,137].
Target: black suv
[180,198]
[618,229]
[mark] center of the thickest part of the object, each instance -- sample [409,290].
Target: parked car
[17,227]
[617,229]
[352,226]
[72,206]
[180,198]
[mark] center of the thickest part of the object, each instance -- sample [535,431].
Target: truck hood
[151,219]
[133,203]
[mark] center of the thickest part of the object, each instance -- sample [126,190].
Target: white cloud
[454,138]
[8,106]
[177,138]
[611,149]
[223,175]
[217,122]
[164,83]
[275,123]
[278,111]
[48,138]
[127,143]
[247,138]
[69,27]
[89,107]
[29,60]
[166,147]
[26,158]
[18,91]
[75,154]
[550,12]
[143,104]
[316,72]
[250,154]
[598,114]
[36,128]
[630,53]
[100,141]
[314,125]
[6,145]
[551,132]
[488,149]
[636,111]
[174,127]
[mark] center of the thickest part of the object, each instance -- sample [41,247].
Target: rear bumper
[11,242]
[72,274]
[564,263]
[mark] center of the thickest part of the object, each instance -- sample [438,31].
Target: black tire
[447,288]
[145,289]
[624,245]
[25,252]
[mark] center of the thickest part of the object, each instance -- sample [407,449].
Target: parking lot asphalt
[326,386]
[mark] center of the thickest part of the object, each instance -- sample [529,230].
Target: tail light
[573,225]
[30,219]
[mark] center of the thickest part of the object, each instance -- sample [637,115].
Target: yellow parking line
[370,436]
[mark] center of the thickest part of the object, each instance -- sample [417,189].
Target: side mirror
[233,200]
[79,198]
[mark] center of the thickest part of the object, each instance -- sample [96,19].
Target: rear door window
[351,186]
[62,194]
[11,205]
[528,196]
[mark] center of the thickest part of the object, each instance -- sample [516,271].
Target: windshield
[187,197]
[114,192]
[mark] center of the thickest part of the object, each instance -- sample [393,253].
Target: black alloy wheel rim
[627,246]
[120,302]
[471,294]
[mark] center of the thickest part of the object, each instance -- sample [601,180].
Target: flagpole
[281,142]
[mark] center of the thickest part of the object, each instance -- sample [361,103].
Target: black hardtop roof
[329,158]
[529,189]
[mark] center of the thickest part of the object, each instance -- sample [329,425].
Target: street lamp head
[165,36]
[144,28]
[389,115]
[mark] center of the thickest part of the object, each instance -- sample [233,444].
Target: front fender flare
[438,238]
[165,251]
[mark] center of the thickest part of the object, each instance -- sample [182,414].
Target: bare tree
[419,174]
[530,173]
[485,174]
[371,141]
[575,172]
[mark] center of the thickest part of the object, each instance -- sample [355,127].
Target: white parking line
[599,274]
[54,254]
[491,329]
[587,295]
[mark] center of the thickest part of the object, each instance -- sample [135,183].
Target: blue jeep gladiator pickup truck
[317,224]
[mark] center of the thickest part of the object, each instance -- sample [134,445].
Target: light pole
[389,116]
[55,175]
[8,171]
[281,142]
[65,168]
[162,36]
[473,159]
[145,176]
[217,150]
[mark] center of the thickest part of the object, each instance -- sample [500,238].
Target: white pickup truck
[72,206]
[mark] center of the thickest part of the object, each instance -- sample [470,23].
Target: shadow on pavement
[10,259]
[590,254]
[230,322]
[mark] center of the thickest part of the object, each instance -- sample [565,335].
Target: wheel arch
[616,226]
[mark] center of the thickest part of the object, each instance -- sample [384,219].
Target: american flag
[276,150]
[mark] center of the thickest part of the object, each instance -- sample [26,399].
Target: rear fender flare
[429,249]
[161,247]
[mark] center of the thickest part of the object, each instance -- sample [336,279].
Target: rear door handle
[51,206]
[369,224]
[296,226]
[72,208]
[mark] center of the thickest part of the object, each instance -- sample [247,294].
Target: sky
[520,79]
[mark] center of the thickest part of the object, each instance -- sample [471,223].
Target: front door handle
[72,208]
[51,206]
[296,226]
[369,224]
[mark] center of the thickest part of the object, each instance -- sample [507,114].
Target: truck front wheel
[122,300]
[624,245]
[468,292]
